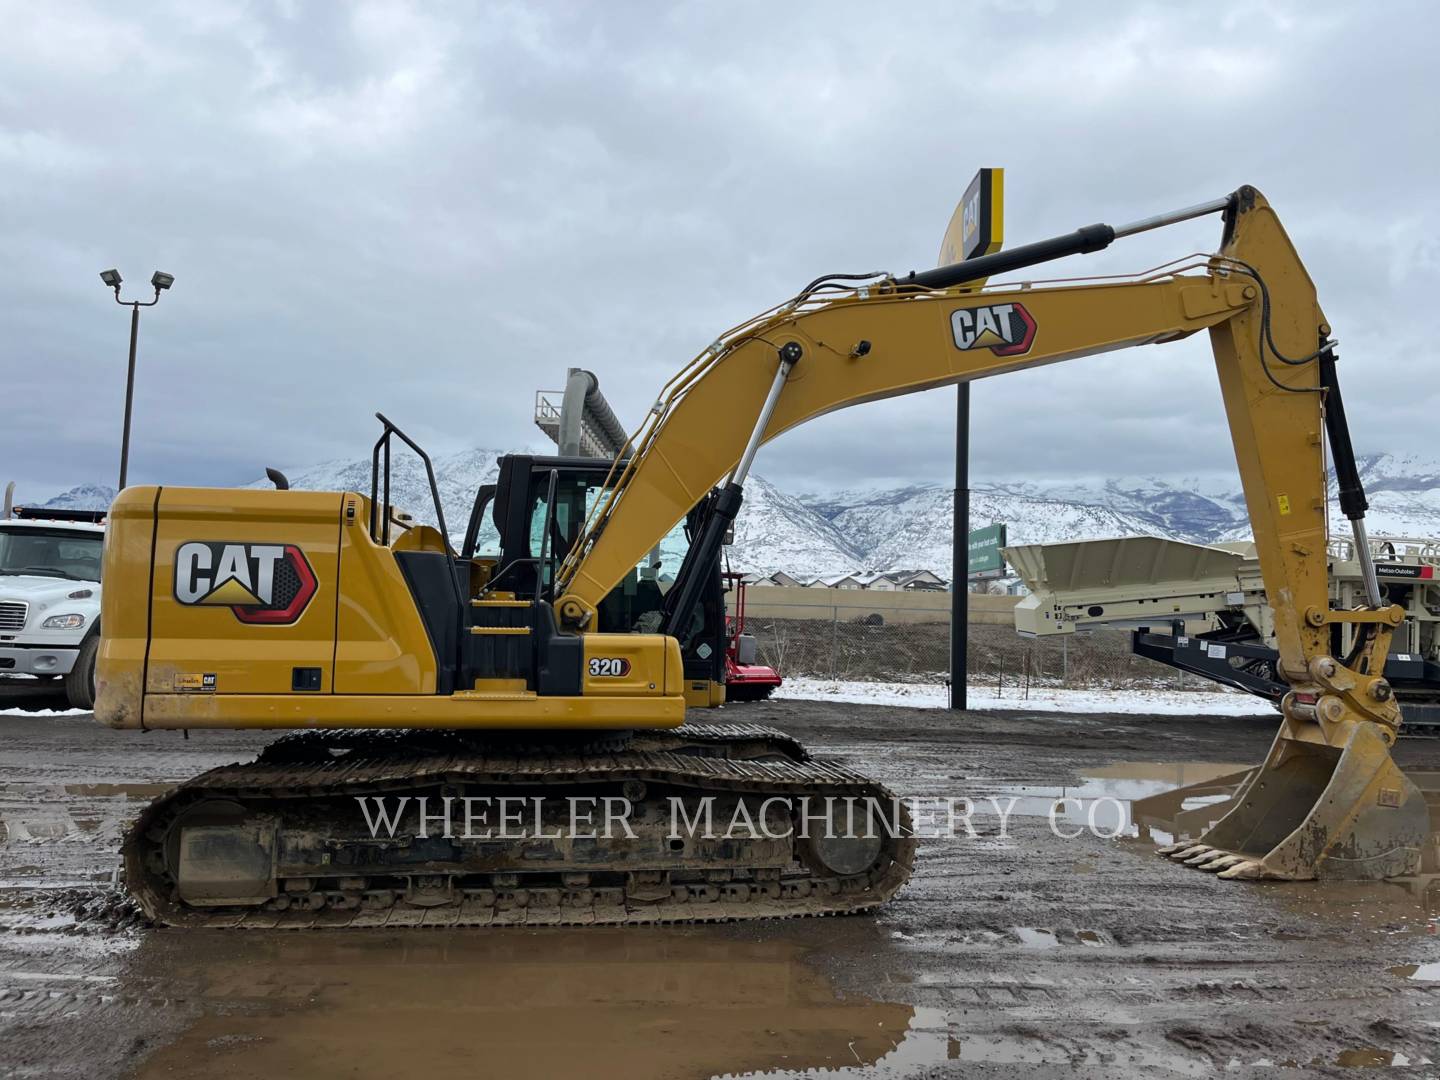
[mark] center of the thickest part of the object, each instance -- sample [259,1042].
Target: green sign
[985,558]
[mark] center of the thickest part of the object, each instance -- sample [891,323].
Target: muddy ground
[1028,956]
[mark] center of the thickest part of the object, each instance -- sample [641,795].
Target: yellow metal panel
[124,610]
[704,693]
[674,670]
[382,646]
[190,637]
[625,664]
[417,538]
[500,686]
[410,711]
[1277,433]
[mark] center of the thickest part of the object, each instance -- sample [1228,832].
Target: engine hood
[38,590]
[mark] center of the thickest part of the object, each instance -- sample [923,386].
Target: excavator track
[282,843]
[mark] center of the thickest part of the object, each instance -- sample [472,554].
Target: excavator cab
[539,506]
[520,529]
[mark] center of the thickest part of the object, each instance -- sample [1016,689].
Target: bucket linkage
[1329,802]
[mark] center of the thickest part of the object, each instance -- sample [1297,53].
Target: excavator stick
[1328,802]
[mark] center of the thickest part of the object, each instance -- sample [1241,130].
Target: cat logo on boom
[1004,329]
[266,584]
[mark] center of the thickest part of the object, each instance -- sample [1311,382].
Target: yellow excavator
[557,675]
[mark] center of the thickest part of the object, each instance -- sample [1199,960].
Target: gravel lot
[1026,955]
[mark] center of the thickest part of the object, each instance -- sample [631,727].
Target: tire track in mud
[69,788]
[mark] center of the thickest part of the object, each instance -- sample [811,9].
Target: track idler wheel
[844,840]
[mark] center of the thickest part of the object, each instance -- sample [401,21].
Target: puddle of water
[1366,1057]
[1421,972]
[592,1003]
[1002,1049]
[1034,937]
[680,1004]
[1384,906]
[56,827]
[933,1038]
[1157,776]
[1122,782]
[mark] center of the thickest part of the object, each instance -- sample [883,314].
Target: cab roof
[52,523]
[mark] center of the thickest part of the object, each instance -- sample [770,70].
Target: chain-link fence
[876,647]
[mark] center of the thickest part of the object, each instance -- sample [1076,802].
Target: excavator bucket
[1342,811]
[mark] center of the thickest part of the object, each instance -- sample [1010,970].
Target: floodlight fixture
[161,281]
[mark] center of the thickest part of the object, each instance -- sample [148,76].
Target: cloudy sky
[434,209]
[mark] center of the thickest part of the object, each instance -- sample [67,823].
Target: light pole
[160,281]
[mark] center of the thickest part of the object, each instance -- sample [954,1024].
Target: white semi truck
[50,600]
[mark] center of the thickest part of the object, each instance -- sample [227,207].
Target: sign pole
[960,554]
[976,228]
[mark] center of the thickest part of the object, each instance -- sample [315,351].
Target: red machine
[745,678]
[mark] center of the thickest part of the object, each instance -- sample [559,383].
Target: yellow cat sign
[978,225]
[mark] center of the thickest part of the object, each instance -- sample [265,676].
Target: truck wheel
[80,683]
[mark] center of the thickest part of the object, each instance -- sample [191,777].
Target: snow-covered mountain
[1194,508]
[886,528]
[84,497]
[776,531]
[911,527]
[457,476]
[1403,492]
[1404,496]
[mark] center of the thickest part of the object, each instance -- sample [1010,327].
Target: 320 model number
[609,667]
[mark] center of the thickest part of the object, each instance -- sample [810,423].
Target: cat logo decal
[1004,329]
[264,584]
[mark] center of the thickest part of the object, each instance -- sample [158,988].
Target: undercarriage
[428,828]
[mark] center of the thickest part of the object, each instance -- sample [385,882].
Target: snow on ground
[935,696]
[1040,699]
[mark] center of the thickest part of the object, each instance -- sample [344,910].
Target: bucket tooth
[1223,863]
[1189,850]
[1204,861]
[1170,849]
[1200,856]
[1245,870]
